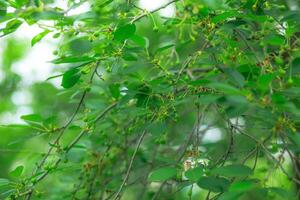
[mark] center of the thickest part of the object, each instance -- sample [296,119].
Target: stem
[130,165]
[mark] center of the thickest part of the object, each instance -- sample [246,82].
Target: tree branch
[130,165]
[153,11]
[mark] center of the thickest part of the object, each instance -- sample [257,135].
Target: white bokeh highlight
[150,5]
[211,135]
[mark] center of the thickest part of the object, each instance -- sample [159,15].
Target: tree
[154,107]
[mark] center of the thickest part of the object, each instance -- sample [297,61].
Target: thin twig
[248,45]
[56,142]
[68,148]
[130,164]
[153,11]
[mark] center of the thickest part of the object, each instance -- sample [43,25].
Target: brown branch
[130,165]
[153,11]
[248,45]
[98,170]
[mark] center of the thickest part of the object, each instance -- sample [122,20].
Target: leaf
[39,37]
[4,182]
[242,185]
[12,26]
[295,138]
[230,196]
[200,82]
[165,47]
[17,172]
[115,90]
[214,184]
[124,32]
[107,2]
[264,81]
[141,41]
[32,118]
[278,98]
[3,9]
[70,78]
[130,56]
[281,192]
[223,87]
[276,40]
[224,16]
[295,66]
[48,15]
[234,75]
[72,59]
[34,121]
[208,98]
[162,174]
[194,174]
[233,171]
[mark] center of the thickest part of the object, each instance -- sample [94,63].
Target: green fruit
[281,71]
[56,35]
[55,52]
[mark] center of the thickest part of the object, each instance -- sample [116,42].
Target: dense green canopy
[197,102]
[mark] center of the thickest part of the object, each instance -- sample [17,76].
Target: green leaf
[295,66]
[295,138]
[141,41]
[278,98]
[37,3]
[214,184]
[162,174]
[39,37]
[124,32]
[224,16]
[47,15]
[230,196]
[130,56]
[21,2]
[70,78]
[223,87]
[235,76]
[4,182]
[242,185]
[32,118]
[115,90]
[194,174]
[165,46]
[276,40]
[284,194]
[17,172]
[3,9]
[233,171]
[73,59]
[264,81]
[107,2]
[12,26]
[208,98]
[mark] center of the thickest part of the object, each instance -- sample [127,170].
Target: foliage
[141,94]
